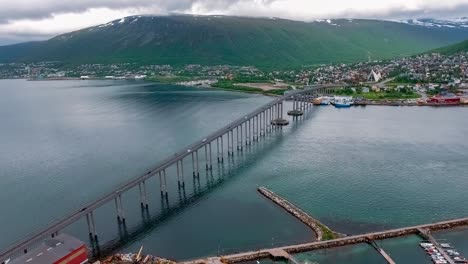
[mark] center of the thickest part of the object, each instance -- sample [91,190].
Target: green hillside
[453,49]
[210,40]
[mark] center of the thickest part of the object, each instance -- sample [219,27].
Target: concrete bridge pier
[270,117]
[193,164]
[117,208]
[222,148]
[143,199]
[162,183]
[238,144]
[217,148]
[241,141]
[249,130]
[295,112]
[254,128]
[207,167]
[211,156]
[279,122]
[232,141]
[228,143]
[182,171]
[197,173]
[91,226]
[180,174]
[246,127]
[262,123]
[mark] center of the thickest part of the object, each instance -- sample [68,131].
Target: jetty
[339,242]
[322,231]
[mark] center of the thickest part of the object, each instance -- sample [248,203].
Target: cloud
[41,18]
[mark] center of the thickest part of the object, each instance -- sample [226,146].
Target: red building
[62,249]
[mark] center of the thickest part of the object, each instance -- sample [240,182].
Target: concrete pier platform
[280,122]
[295,113]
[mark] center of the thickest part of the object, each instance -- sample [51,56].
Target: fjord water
[360,169]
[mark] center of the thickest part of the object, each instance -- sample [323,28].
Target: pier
[426,233]
[244,131]
[382,252]
[322,231]
[339,242]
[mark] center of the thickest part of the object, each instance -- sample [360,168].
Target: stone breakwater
[321,230]
[357,239]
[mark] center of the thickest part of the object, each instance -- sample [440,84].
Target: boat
[343,102]
[321,101]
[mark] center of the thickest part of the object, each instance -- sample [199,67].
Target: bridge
[247,130]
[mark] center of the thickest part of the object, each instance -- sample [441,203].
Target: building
[374,77]
[62,249]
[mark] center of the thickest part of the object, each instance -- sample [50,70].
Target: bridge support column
[142,189]
[211,162]
[247,133]
[250,131]
[229,142]
[196,163]
[206,159]
[259,121]
[269,120]
[237,142]
[232,142]
[241,142]
[254,128]
[122,212]
[165,183]
[180,174]
[262,123]
[182,170]
[91,225]
[161,187]
[222,149]
[217,147]
[193,164]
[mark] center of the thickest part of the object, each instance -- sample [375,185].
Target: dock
[339,242]
[426,233]
[322,231]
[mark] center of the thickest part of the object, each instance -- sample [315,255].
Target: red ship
[443,100]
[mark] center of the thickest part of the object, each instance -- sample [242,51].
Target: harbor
[348,101]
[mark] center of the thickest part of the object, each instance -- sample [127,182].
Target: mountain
[209,40]
[453,49]
[460,23]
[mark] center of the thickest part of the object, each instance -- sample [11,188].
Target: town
[400,78]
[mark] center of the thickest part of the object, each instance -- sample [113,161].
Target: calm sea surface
[63,144]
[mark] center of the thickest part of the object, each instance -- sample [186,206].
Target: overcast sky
[22,20]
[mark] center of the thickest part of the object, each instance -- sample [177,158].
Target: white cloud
[40,18]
